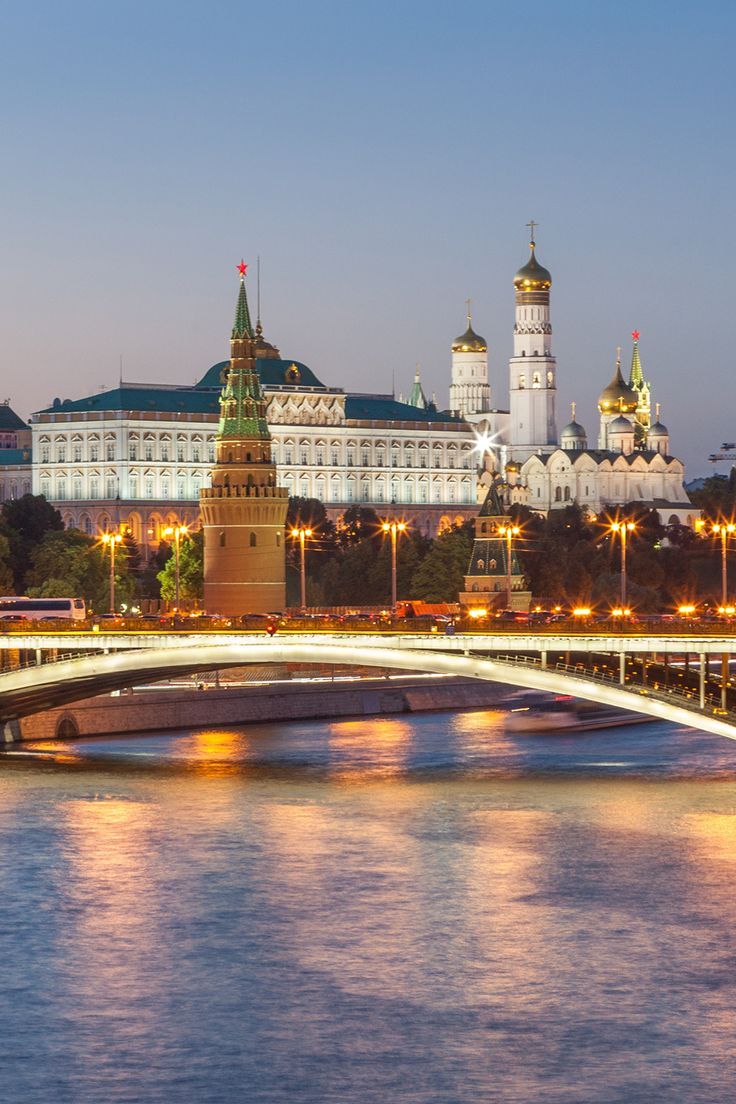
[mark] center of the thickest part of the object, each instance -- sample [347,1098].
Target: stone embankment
[205,706]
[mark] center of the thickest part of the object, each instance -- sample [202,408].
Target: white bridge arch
[31,689]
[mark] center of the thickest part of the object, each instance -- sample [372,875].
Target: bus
[42,609]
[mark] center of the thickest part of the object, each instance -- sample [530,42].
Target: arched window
[567,494]
[492,565]
[252,540]
[278,540]
[222,538]
[479,564]
[558,494]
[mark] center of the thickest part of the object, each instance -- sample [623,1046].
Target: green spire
[242,327]
[242,406]
[417,397]
[636,376]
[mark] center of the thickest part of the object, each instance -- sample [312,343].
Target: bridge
[639,672]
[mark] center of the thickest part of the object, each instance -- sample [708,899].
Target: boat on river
[535,712]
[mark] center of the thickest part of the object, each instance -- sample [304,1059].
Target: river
[398,910]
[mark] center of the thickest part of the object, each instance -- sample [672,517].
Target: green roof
[380,408]
[272,372]
[9,419]
[186,400]
[242,327]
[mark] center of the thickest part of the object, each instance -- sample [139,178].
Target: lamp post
[623,528]
[394,528]
[113,540]
[722,529]
[509,532]
[177,532]
[302,532]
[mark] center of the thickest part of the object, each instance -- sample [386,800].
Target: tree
[191,570]
[69,564]
[440,576]
[6,570]
[26,521]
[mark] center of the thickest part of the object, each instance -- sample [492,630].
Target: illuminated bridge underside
[32,689]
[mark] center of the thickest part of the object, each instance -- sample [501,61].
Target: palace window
[110,486]
[77,488]
[211,453]
[320,458]
[61,454]
[149,450]
[335,457]
[164,488]
[364,458]
[196,454]
[351,458]
[45,488]
[133,451]
[61,489]
[110,450]
[133,487]
[77,454]
[94,453]
[94,487]
[304,457]
[165,451]
[181,488]
[149,487]
[180,454]
[44,454]
[288,455]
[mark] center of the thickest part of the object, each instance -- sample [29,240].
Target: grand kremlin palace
[138,454]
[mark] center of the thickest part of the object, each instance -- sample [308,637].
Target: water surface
[402,909]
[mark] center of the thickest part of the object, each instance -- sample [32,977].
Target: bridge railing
[688,699]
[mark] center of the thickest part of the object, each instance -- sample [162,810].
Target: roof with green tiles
[272,373]
[203,397]
[382,408]
[9,419]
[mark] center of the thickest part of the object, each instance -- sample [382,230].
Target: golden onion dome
[470,342]
[618,396]
[533,276]
[513,466]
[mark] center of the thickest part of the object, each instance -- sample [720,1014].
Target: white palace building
[138,455]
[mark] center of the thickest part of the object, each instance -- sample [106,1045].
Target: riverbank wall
[198,707]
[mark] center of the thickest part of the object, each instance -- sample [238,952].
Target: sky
[383,160]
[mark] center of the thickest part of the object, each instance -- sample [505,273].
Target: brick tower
[243,511]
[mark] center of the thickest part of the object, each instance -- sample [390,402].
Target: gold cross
[467,310]
[531,224]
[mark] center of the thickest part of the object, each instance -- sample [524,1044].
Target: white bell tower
[470,392]
[533,369]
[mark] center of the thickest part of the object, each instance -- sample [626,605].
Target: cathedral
[545,470]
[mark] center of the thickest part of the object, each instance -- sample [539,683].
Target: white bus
[42,609]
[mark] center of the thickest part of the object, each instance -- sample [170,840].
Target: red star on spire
[635,335]
[242,269]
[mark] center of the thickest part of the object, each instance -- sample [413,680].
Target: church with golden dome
[544,470]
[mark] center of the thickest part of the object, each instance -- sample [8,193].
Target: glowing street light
[394,528]
[623,528]
[301,533]
[177,532]
[722,529]
[509,532]
[113,540]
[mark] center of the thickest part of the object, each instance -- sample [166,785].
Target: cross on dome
[532,224]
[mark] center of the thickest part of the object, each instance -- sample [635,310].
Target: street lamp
[302,532]
[394,528]
[177,532]
[623,528]
[113,540]
[509,532]
[722,529]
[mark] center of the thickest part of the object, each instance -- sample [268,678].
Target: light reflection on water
[417,909]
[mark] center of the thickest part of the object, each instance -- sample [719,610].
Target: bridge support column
[544,660]
[622,668]
[10,731]
[39,659]
[702,680]
[724,679]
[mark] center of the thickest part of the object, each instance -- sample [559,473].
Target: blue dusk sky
[383,159]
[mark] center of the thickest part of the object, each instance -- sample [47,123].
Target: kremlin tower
[243,511]
[533,369]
